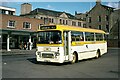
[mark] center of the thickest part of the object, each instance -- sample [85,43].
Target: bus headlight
[39,53]
[57,54]
[36,49]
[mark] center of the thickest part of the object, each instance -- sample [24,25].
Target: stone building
[98,17]
[82,16]
[104,18]
[54,17]
[16,30]
[114,35]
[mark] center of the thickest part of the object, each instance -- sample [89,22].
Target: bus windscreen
[49,37]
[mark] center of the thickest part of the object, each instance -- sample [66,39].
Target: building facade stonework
[104,18]
[16,31]
[98,17]
[114,35]
[26,8]
[54,17]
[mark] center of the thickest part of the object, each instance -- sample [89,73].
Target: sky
[69,7]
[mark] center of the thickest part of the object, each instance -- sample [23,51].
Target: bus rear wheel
[97,54]
[74,58]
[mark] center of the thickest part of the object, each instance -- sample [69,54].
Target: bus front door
[67,46]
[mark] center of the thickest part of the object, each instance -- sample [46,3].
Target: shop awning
[17,32]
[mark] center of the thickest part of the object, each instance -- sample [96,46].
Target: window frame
[11,24]
[100,27]
[89,39]
[106,18]
[100,36]
[77,36]
[89,19]
[26,24]
[79,23]
[99,19]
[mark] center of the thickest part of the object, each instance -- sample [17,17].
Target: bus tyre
[74,58]
[97,54]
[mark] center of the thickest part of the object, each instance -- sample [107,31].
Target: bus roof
[74,28]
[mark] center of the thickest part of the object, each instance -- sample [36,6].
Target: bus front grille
[46,55]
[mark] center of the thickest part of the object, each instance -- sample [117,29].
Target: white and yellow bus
[60,43]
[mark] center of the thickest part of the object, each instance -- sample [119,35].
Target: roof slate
[49,13]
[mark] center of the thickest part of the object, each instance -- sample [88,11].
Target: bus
[62,43]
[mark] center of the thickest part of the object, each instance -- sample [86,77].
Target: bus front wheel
[74,58]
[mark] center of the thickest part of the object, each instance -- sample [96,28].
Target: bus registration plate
[46,60]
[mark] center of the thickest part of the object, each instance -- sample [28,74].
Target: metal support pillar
[8,42]
[30,46]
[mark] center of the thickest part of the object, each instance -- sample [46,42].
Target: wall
[19,22]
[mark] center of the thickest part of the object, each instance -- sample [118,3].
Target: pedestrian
[21,46]
[25,46]
[28,45]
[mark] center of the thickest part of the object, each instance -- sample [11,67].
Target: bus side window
[81,38]
[99,37]
[73,37]
[77,36]
[89,36]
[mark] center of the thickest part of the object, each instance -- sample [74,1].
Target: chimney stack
[26,8]
[98,1]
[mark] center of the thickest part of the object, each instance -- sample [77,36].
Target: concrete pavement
[17,52]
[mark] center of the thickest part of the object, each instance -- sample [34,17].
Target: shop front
[18,39]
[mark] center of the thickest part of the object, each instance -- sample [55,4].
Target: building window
[49,20]
[107,28]
[84,19]
[26,25]
[100,27]
[63,21]
[106,18]
[46,20]
[90,27]
[73,23]
[10,13]
[66,22]
[89,19]
[3,12]
[60,21]
[11,24]
[52,21]
[84,25]
[39,26]
[79,23]
[99,18]
[41,18]
[0,11]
